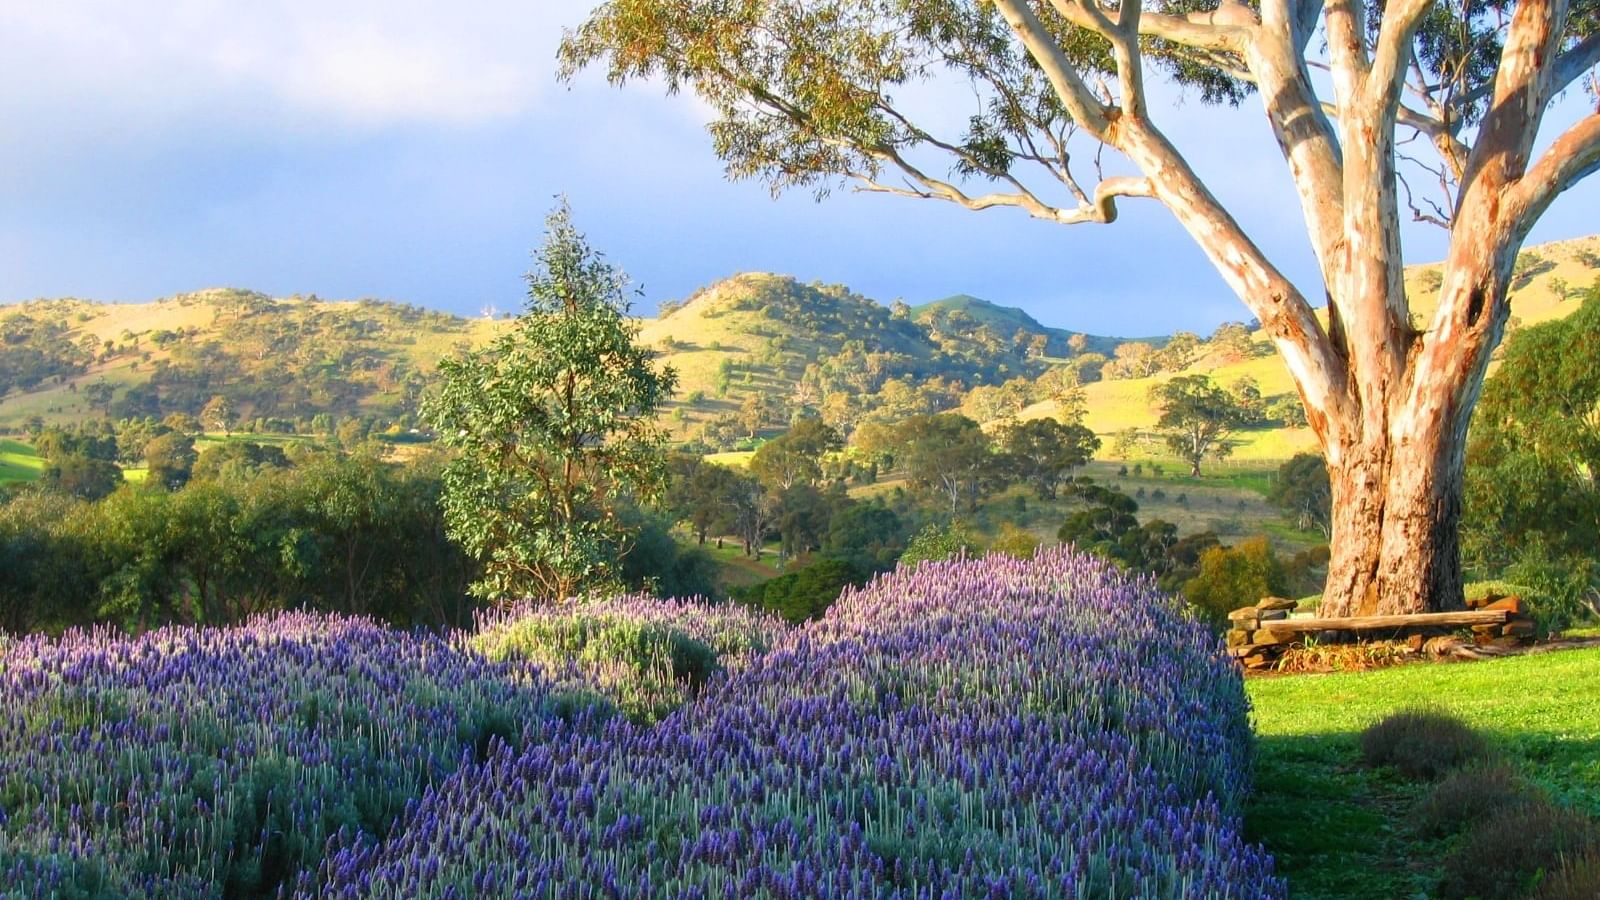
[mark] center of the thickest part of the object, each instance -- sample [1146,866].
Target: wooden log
[1381,623]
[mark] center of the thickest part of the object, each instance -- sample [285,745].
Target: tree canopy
[553,424]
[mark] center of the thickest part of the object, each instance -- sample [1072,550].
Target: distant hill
[283,358]
[290,359]
[1009,320]
[755,344]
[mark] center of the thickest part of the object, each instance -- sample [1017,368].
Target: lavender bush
[1003,728]
[203,762]
[647,656]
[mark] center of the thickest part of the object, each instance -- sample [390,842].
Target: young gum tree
[806,96]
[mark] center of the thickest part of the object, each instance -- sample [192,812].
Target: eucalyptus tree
[812,93]
[553,424]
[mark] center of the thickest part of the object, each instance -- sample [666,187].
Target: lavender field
[990,728]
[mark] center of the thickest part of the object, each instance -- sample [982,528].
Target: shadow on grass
[1339,829]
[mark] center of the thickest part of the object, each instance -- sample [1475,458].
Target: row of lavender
[202,762]
[1000,728]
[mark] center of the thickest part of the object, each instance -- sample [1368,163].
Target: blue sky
[410,151]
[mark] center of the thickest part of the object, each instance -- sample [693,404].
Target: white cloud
[361,63]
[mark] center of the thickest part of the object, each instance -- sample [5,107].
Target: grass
[18,461]
[1340,830]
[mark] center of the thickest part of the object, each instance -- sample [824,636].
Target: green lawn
[1340,830]
[18,461]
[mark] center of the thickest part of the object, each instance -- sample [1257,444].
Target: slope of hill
[280,358]
[960,309]
[748,349]
[755,346]
[1549,279]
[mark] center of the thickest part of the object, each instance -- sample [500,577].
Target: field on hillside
[1031,729]
[18,461]
[1340,830]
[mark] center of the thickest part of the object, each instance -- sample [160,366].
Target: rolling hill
[1550,276]
[1009,320]
[289,359]
[747,350]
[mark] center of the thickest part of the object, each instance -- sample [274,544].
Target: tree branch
[1216,30]
[1574,156]
[1063,76]
[1391,56]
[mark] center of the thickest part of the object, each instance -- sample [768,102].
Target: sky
[410,150]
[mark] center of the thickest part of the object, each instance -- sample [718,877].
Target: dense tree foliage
[1043,452]
[339,533]
[1533,474]
[1301,488]
[553,424]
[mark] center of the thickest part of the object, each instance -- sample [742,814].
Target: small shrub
[1577,879]
[1469,795]
[1511,851]
[1421,743]
[936,542]
[1015,541]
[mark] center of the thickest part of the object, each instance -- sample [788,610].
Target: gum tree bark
[805,91]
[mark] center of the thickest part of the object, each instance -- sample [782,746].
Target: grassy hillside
[1549,273]
[18,461]
[272,357]
[753,340]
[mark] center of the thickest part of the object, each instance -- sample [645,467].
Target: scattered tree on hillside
[554,427]
[795,457]
[99,395]
[1061,385]
[1133,359]
[1196,418]
[1043,452]
[1246,393]
[1232,342]
[808,94]
[949,455]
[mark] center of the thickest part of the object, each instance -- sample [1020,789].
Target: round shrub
[647,656]
[1509,853]
[1422,743]
[1469,795]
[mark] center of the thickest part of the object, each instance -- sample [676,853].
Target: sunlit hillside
[1548,280]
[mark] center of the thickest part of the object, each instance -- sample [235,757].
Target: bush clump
[1511,852]
[1471,794]
[647,656]
[1422,743]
